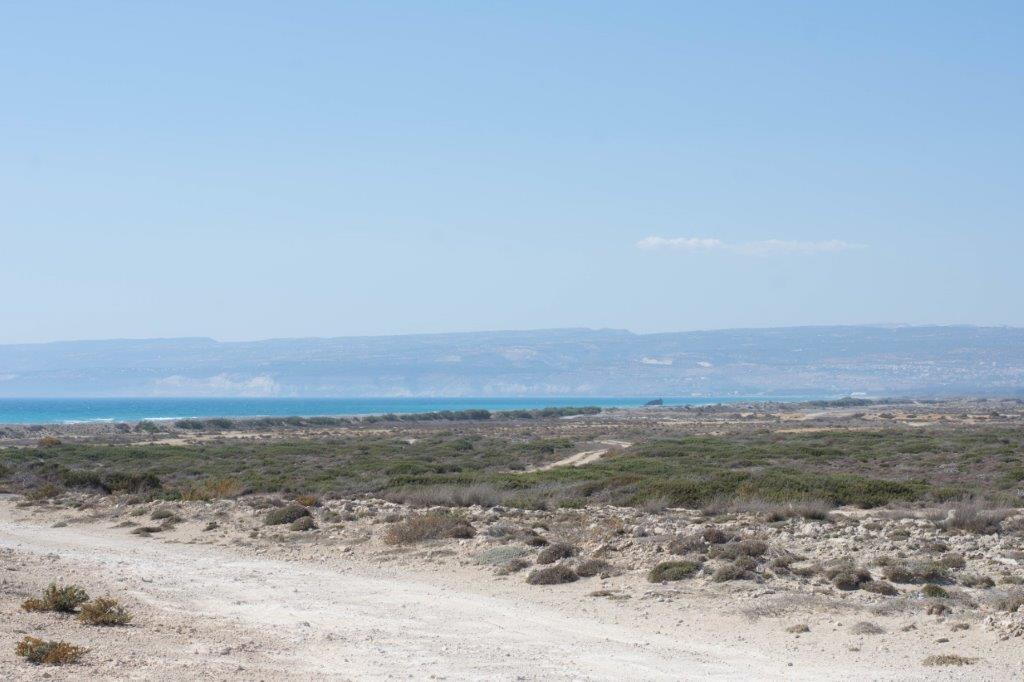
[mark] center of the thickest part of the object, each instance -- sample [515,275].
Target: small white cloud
[680,243]
[767,247]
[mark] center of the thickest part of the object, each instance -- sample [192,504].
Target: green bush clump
[59,598]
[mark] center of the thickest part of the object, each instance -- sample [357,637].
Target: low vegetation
[59,598]
[552,575]
[39,651]
[430,526]
[948,659]
[780,475]
[285,515]
[668,571]
[104,611]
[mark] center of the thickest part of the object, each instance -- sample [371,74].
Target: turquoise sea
[70,410]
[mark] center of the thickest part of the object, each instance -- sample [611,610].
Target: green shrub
[934,592]
[62,599]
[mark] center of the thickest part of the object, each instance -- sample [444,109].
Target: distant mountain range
[877,360]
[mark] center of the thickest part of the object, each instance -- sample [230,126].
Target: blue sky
[259,169]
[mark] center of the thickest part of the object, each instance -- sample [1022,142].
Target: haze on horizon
[254,170]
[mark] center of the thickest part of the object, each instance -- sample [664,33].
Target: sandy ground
[237,609]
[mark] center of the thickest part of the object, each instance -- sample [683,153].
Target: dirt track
[250,611]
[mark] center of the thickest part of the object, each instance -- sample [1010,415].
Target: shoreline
[496,406]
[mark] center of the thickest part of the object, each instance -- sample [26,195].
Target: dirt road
[302,621]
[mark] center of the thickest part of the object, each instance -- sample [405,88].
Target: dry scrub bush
[62,599]
[716,536]
[732,572]
[952,560]
[879,587]
[303,523]
[214,489]
[308,500]
[741,548]
[948,659]
[934,592]
[552,575]
[917,572]
[673,570]
[687,544]
[592,567]
[482,494]
[978,581]
[289,514]
[165,513]
[846,575]
[553,553]
[104,611]
[37,651]
[429,526]
[1011,601]
[44,492]
[866,628]
[968,517]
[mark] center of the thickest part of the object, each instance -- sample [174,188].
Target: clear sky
[260,169]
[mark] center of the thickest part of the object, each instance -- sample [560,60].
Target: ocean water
[71,410]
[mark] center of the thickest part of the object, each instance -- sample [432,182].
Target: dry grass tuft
[38,651]
[429,526]
[62,599]
[104,611]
